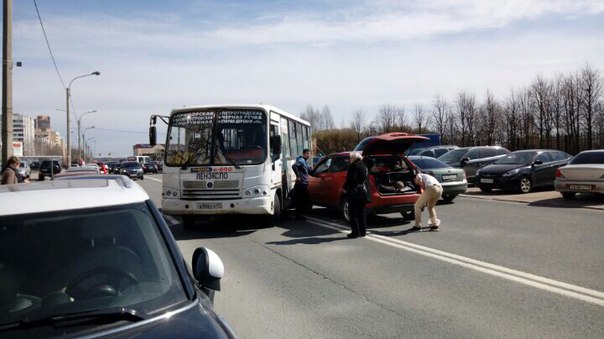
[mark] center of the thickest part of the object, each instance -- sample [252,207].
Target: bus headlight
[170,193]
[256,191]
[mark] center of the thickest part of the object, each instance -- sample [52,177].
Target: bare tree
[511,113]
[591,93]
[421,118]
[440,114]
[313,117]
[357,124]
[490,114]
[540,99]
[466,108]
[326,118]
[387,118]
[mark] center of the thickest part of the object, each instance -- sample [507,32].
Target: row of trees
[565,112]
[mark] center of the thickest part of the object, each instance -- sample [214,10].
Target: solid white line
[159,180]
[554,286]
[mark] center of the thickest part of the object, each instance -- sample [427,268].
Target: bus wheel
[275,218]
[188,222]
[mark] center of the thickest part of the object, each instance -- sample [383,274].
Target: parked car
[47,171]
[159,164]
[24,169]
[583,174]
[150,167]
[434,151]
[93,257]
[77,171]
[388,167]
[34,165]
[522,170]
[132,169]
[473,158]
[453,180]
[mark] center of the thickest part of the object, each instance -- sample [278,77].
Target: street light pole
[79,134]
[68,94]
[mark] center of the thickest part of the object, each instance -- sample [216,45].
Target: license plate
[450,177]
[209,206]
[580,187]
[486,181]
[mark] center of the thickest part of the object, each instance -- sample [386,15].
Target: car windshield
[428,163]
[454,155]
[588,158]
[518,158]
[106,258]
[130,165]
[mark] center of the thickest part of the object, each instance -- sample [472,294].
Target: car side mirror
[207,268]
[538,162]
[464,161]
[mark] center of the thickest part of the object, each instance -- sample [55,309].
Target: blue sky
[349,55]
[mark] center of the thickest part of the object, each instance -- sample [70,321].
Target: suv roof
[70,194]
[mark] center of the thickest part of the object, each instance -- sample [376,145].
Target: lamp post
[80,134]
[68,94]
[87,146]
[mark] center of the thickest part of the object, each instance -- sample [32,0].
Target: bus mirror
[152,136]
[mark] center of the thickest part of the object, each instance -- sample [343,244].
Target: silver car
[583,174]
[24,169]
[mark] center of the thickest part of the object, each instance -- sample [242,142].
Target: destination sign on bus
[224,117]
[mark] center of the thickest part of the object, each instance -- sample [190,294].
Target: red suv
[390,176]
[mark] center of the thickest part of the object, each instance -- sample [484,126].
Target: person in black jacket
[358,194]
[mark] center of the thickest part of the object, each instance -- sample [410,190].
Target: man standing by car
[357,195]
[431,192]
[301,170]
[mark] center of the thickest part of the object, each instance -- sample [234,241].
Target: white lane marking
[554,286]
[158,180]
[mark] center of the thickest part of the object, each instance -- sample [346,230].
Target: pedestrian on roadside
[431,192]
[10,173]
[302,170]
[358,195]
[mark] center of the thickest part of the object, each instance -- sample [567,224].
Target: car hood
[500,168]
[391,143]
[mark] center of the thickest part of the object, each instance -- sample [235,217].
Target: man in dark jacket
[358,194]
[301,170]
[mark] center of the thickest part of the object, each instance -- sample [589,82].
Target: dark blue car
[522,170]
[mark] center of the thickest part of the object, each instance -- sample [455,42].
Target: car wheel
[449,197]
[344,210]
[486,189]
[525,185]
[142,177]
[568,195]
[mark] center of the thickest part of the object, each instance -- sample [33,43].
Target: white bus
[227,160]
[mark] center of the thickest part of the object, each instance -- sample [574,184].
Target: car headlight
[256,191]
[512,172]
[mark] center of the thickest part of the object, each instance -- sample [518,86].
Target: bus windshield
[217,137]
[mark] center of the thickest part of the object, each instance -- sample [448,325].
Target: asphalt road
[496,269]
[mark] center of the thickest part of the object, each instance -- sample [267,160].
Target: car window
[440,151]
[453,155]
[339,165]
[558,156]
[501,151]
[473,154]
[427,153]
[487,153]
[324,166]
[588,158]
[544,157]
[429,163]
[108,257]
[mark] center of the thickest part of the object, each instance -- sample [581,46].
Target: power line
[48,44]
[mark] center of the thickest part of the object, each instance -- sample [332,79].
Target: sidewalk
[545,198]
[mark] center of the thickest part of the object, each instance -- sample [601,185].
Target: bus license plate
[580,187]
[209,206]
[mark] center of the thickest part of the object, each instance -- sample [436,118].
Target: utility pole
[7,82]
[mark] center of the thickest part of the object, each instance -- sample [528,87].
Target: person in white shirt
[432,191]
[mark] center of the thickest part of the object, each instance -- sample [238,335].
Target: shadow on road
[217,227]
[580,200]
